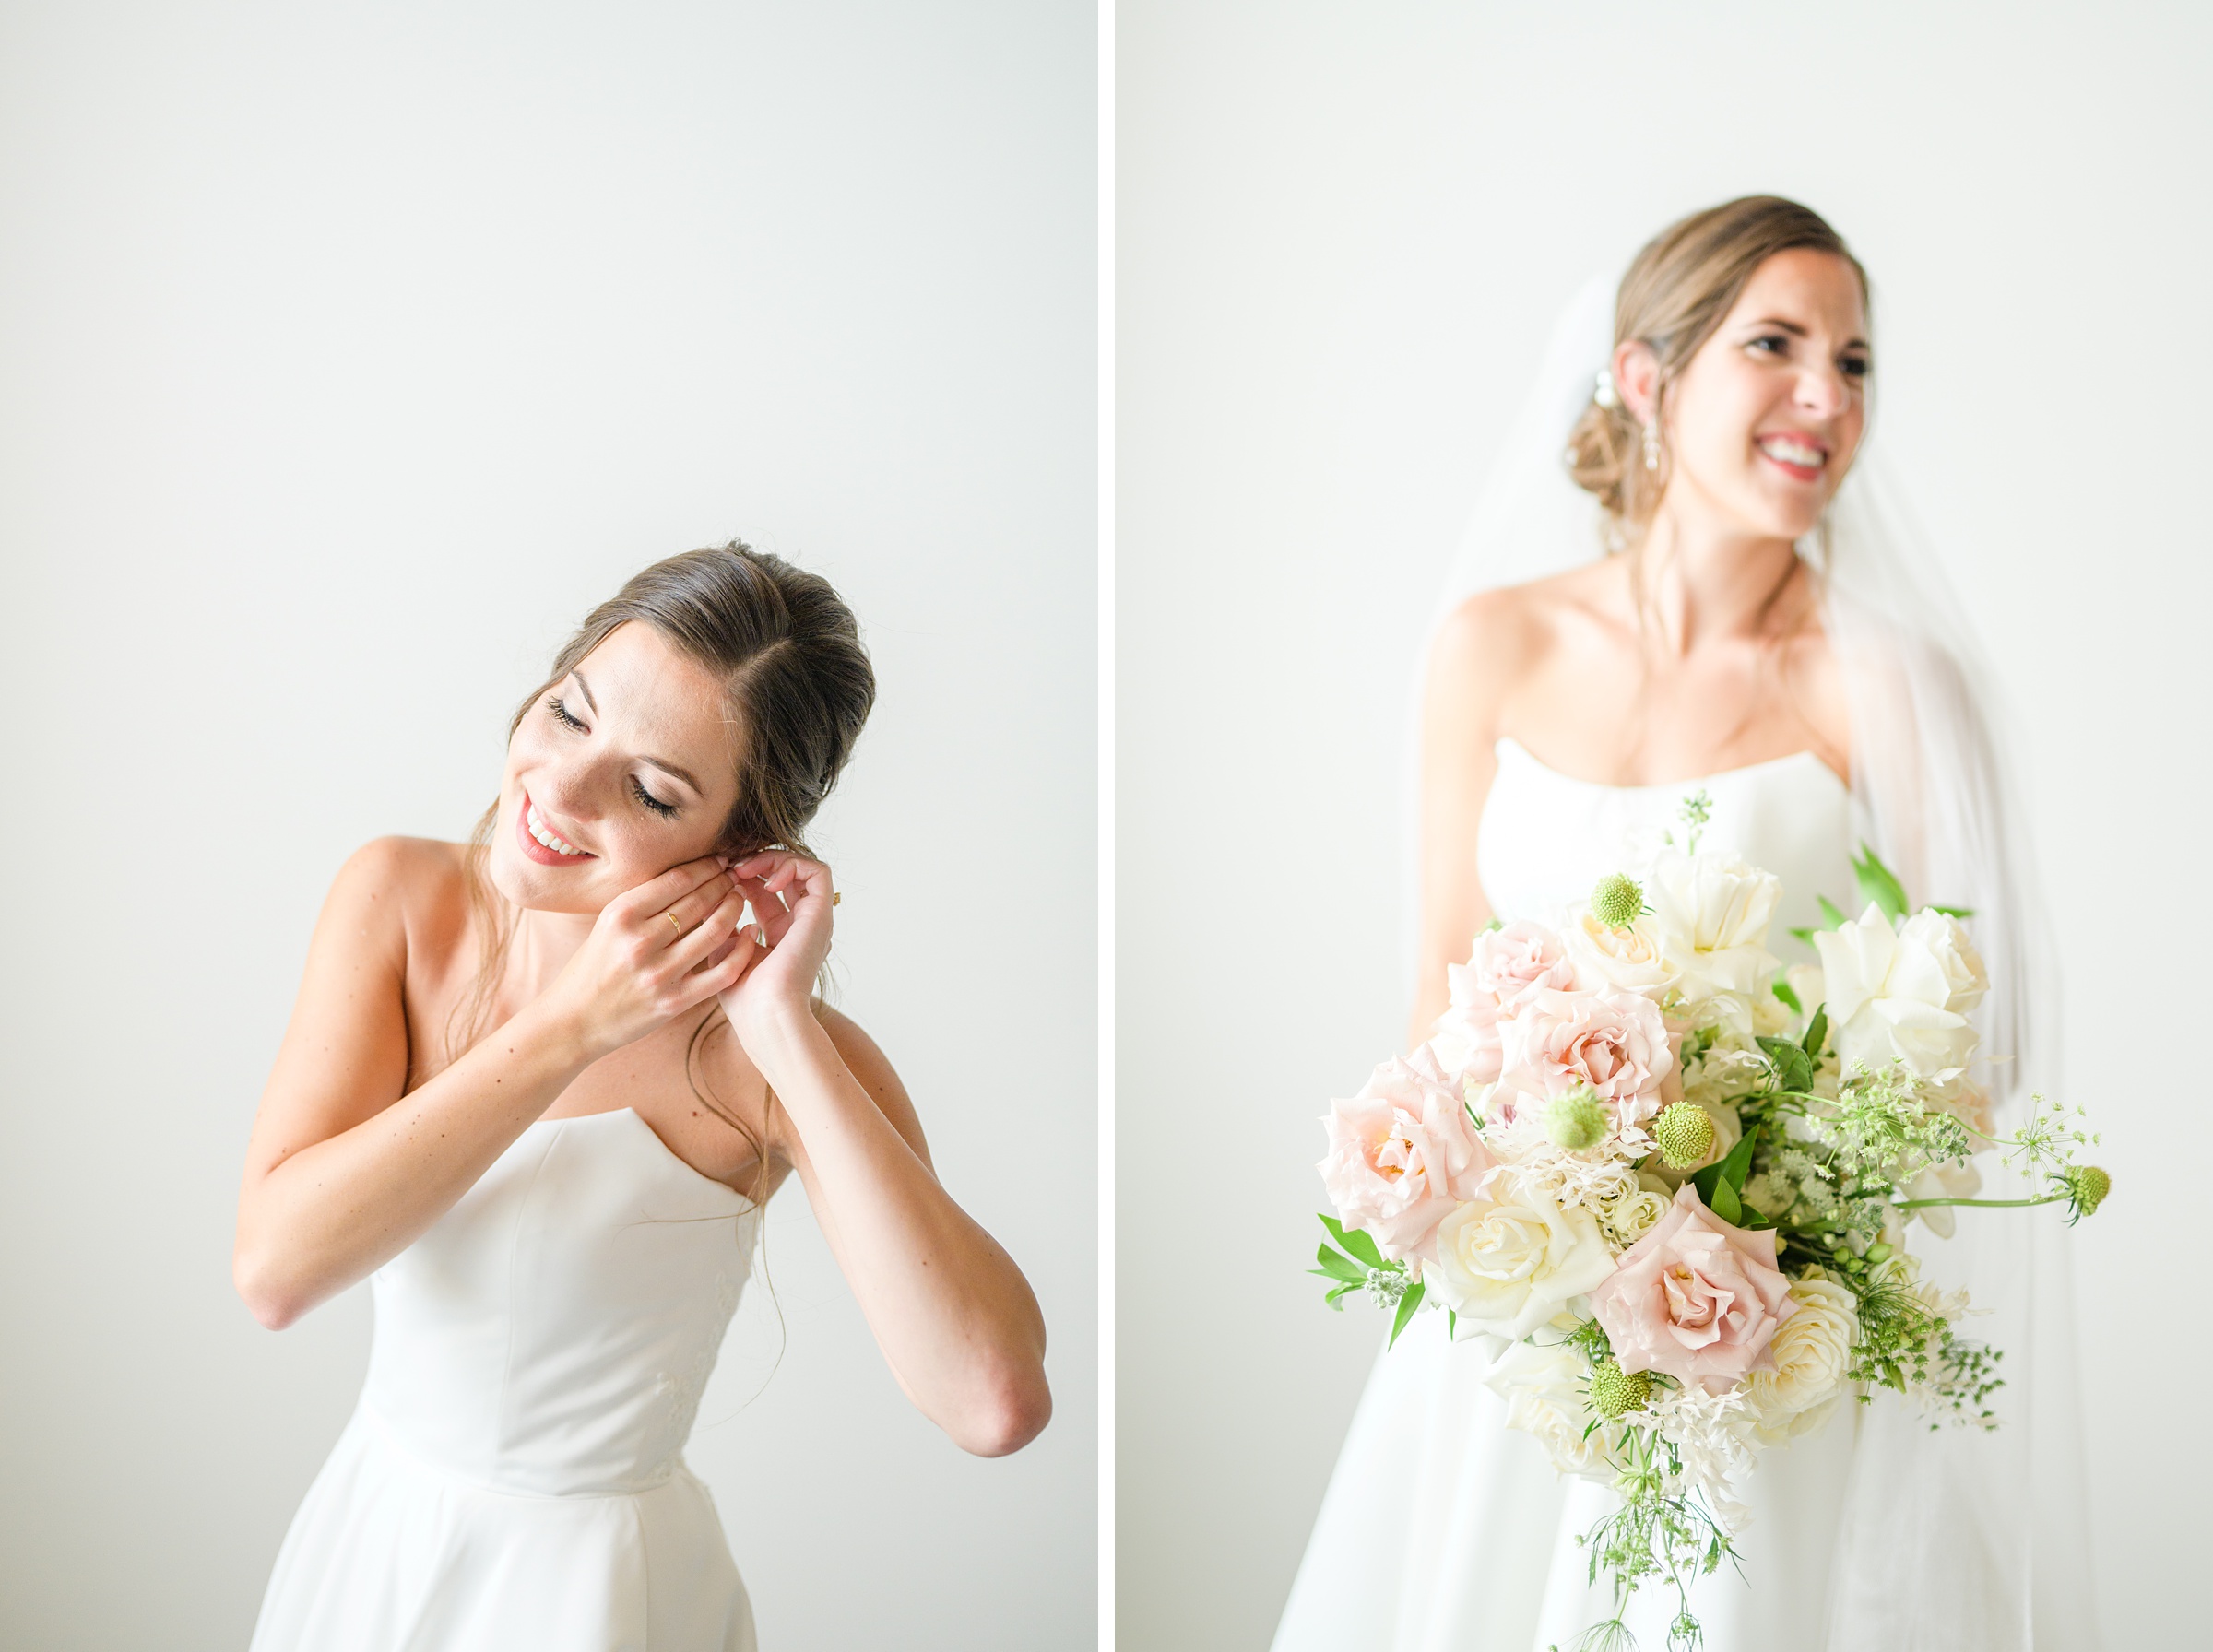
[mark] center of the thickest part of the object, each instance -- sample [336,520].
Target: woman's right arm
[1474,658]
[347,1167]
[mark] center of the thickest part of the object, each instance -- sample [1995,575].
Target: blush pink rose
[1464,1041]
[1402,1155]
[1507,966]
[1613,1042]
[1696,1298]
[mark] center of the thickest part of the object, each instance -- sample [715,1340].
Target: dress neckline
[666,1151]
[1534,761]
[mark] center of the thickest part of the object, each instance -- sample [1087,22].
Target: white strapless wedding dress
[1443,1529]
[513,1479]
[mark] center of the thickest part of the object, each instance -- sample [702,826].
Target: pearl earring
[1652,441]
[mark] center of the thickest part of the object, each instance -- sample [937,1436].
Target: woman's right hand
[657,950]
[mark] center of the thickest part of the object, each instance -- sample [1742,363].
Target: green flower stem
[1986,1204]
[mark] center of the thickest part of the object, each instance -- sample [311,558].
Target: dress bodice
[1547,837]
[552,1332]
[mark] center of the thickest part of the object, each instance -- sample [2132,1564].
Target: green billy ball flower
[1616,1393]
[1576,1120]
[1685,1132]
[1617,901]
[2087,1187]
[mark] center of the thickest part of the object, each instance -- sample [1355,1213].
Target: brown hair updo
[1678,291]
[796,685]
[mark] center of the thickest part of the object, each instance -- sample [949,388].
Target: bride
[1756,633]
[537,1089]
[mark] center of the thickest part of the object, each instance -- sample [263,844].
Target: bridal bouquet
[1677,1187]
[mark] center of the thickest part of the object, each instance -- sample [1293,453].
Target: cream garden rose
[1510,1260]
[1812,1351]
[1633,959]
[1544,1386]
[1712,911]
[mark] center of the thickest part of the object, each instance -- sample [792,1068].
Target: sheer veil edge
[1958,1538]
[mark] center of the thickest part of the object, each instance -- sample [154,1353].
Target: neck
[544,942]
[1698,581]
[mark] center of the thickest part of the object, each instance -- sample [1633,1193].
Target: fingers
[769,910]
[711,935]
[692,910]
[778,881]
[714,979]
[780,869]
[656,894]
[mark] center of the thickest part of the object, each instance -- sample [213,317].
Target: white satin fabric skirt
[1444,1530]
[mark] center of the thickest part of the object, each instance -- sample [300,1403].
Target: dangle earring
[1652,438]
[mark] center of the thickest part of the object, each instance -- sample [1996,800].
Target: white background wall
[1345,232]
[347,354]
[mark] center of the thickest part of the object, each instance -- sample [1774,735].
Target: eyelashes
[649,800]
[569,720]
[1855,368]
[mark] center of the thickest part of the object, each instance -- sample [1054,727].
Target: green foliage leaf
[1879,884]
[1830,917]
[1356,1242]
[1407,1304]
[1338,1268]
[1783,991]
[1452,1326]
[1737,1166]
[1802,934]
[1962,912]
[1793,1066]
[1719,1185]
[1724,1202]
[1817,1033]
[1336,1296]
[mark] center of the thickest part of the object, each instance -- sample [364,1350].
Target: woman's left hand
[789,935]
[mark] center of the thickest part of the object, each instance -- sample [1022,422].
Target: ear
[1637,378]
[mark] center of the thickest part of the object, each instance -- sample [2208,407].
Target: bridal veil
[1955,1538]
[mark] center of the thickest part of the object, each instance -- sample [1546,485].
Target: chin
[521,884]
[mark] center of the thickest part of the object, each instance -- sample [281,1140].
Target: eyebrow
[682,774]
[669,769]
[1796,331]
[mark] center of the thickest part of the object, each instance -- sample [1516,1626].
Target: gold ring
[674,919]
[836,896]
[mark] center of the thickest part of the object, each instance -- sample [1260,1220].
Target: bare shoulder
[403,886]
[865,1059]
[1498,639]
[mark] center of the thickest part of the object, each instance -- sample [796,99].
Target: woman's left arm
[956,1318]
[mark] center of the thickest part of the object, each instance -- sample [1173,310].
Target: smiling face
[1765,420]
[622,769]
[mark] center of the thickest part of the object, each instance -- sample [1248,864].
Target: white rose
[1609,960]
[1890,996]
[1712,911]
[1812,1350]
[1933,946]
[1636,1213]
[1546,1397]
[1508,1262]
